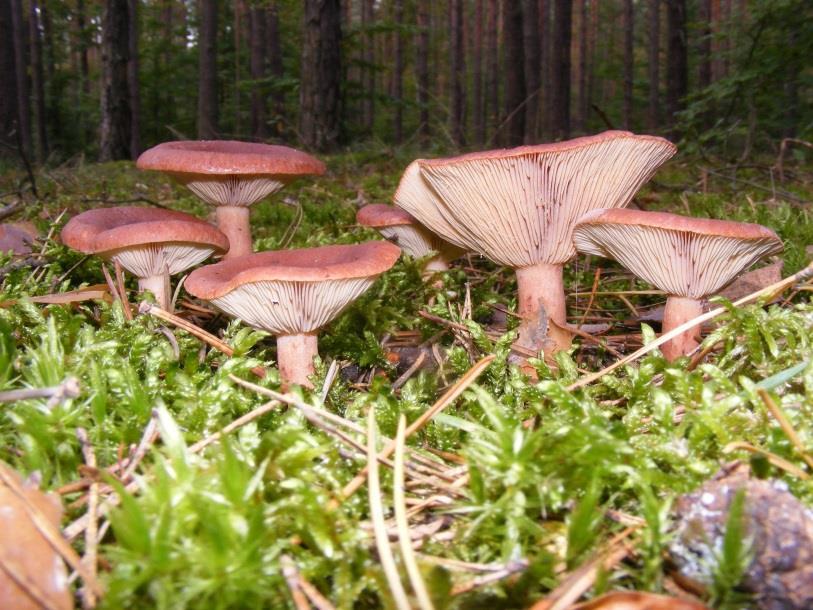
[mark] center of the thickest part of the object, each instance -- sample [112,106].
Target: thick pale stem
[295,355]
[679,310]
[233,220]
[159,286]
[541,304]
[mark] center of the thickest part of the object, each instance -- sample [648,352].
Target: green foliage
[734,557]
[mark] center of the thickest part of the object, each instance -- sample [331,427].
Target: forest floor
[515,490]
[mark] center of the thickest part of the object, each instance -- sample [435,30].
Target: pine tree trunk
[422,67]
[546,70]
[456,72]
[319,90]
[582,109]
[560,83]
[704,44]
[368,59]
[398,73]
[629,27]
[257,47]
[275,65]
[37,81]
[491,106]
[207,71]
[533,67]
[514,69]
[53,86]
[8,83]
[715,16]
[133,80]
[654,59]
[116,114]
[677,71]
[478,117]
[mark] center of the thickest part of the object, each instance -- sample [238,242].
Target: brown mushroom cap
[683,256]
[144,240]
[379,215]
[518,206]
[15,239]
[227,172]
[292,291]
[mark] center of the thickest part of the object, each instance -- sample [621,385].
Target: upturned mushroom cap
[518,206]
[227,172]
[683,256]
[145,241]
[292,291]
[401,228]
[26,554]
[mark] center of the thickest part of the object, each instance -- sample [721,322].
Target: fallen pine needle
[780,416]
[774,459]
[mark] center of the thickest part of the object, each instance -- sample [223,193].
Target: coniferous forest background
[110,78]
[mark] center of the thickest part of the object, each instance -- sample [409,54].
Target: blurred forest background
[109,78]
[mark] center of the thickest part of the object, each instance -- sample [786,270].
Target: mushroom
[33,574]
[401,228]
[231,176]
[518,207]
[152,244]
[293,293]
[15,238]
[688,258]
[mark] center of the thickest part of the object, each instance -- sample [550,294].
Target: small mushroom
[688,258]
[401,228]
[293,293]
[32,574]
[15,239]
[518,206]
[152,244]
[231,176]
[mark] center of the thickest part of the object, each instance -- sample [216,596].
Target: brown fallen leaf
[633,600]
[753,281]
[88,293]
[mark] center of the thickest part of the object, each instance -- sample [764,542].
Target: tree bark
[133,80]
[275,65]
[583,107]
[478,117]
[116,113]
[704,44]
[398,73]
[207,71]
[422,67]
[456,72]
[677,71]
[491,106]
[37,81]
[514,68]
[654,58]
[368,59]
[533,67]
[8,82]
[257,46]
[629,27]
[319,91]
[560,82]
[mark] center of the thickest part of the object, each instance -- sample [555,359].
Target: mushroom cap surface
[681,255]
[229,158]
[293,291]
[377,215]
[15,239]
[518,206]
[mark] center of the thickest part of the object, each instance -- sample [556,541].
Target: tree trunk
[629,27]
[398,74]
[546,66]
[560,83]
[319,90]
[531,55]
[368,59]
[133,80]
[37,81]
[491,107]
[514,68]
[677,72]
[275,66]
[583,107]
[704,44]
[479,120]
[257,47]
[207,71]
[654,58]
[53,86]
[116,113]
[8,83]
[456,72]
[422,67]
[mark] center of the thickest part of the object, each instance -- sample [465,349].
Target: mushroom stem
[541,291]
[233,220]
[159,286]
[295,355]
[679,310]
[436,263]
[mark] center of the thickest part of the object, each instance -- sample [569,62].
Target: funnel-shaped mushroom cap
[15,239]
[518,206]
[683,256]
[145,241]
[292,291]
[400,227]
[226,172]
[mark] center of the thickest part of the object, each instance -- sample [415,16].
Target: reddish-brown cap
[15,239]
[338,262]
[229,158]
[684,256]
[106,229]
[378,215]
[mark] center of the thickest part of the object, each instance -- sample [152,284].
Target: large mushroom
[293,293]
[231,176]
[518,207]
[152,244]
[401,228]
[688,258]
